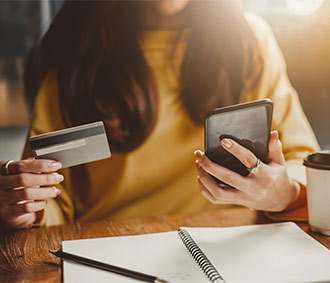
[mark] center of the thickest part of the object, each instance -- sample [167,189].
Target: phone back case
[248,124]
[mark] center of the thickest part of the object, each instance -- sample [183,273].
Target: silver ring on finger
[6,168]
[255,168]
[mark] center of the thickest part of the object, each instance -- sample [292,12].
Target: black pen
[107,267]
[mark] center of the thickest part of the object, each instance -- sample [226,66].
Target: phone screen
[248,124]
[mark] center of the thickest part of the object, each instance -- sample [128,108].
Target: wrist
[295,189]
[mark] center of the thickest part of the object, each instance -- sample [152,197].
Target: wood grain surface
[24,253]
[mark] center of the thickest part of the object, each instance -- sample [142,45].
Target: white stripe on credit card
[60,147]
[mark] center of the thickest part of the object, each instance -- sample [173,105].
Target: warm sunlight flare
[304,7]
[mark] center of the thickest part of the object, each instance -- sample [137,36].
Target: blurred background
[302,28]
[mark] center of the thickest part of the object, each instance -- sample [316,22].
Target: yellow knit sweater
[160,177]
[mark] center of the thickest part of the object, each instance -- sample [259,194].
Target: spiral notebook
[258,253]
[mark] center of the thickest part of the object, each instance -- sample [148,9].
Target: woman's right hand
[22,198]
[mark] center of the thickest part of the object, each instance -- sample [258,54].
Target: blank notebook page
[258,253]
[161,254]
[264,253]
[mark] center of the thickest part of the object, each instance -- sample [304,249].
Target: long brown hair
[102,74]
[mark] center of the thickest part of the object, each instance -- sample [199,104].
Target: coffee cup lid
[318,160]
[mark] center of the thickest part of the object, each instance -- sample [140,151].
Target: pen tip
[52,251]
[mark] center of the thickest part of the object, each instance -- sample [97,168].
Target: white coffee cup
[318,191]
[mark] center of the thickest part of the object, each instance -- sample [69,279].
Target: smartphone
[249,124]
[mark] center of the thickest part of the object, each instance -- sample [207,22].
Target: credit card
[72,146]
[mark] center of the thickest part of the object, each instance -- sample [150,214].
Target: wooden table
[24,253]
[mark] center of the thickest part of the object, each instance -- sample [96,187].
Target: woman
[151,70]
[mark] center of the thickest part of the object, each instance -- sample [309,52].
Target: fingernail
[58,177]
[56,165]
[199,154]
[57,191]
[226,143]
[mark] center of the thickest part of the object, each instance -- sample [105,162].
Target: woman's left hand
[269,189]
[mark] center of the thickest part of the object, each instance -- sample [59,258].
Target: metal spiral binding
[200,257]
